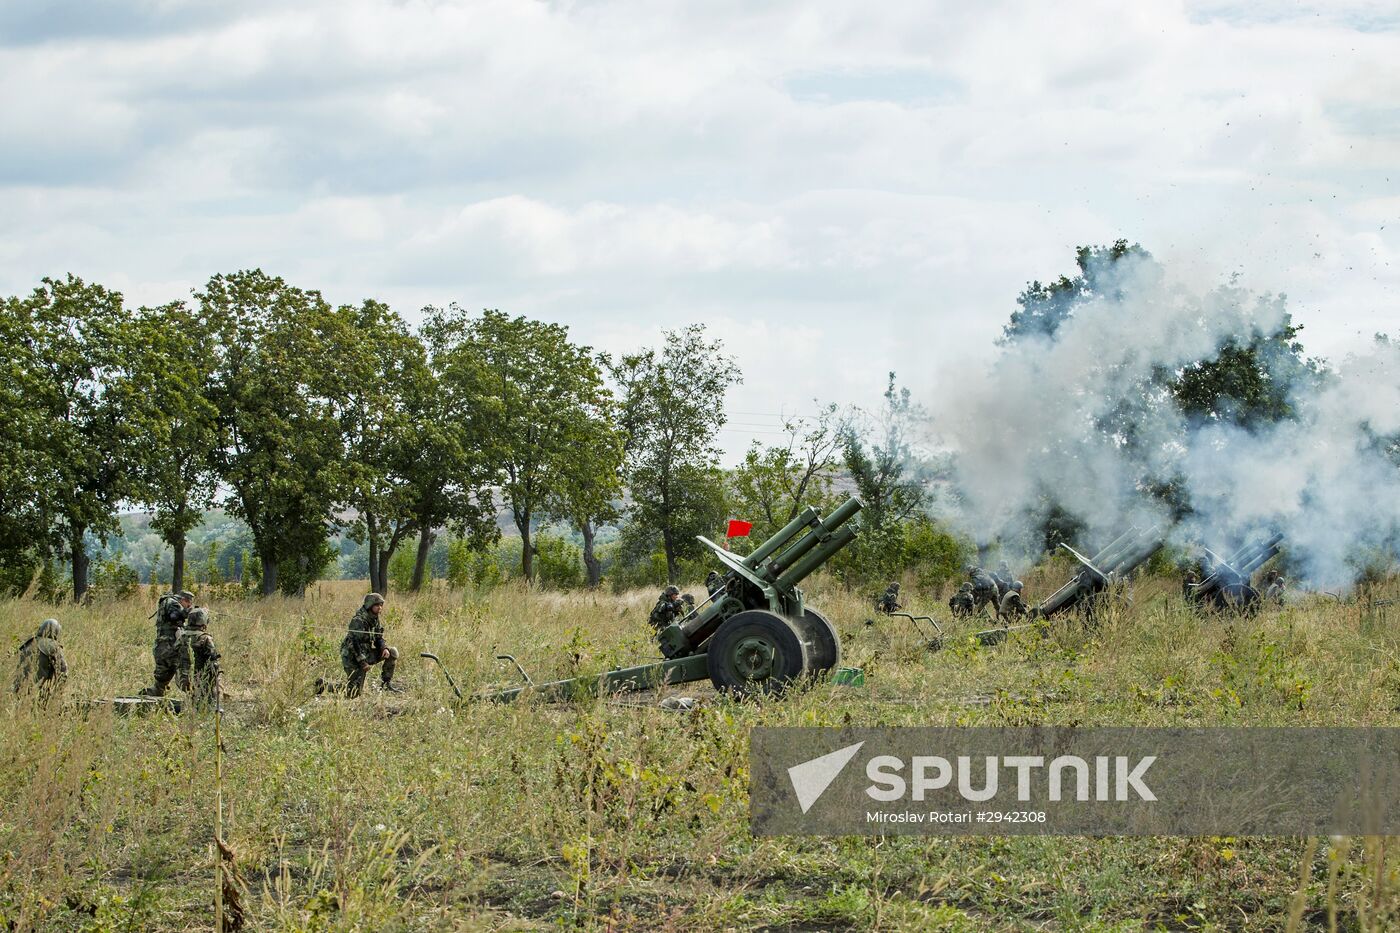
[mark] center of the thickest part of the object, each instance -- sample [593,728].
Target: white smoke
[1039,423]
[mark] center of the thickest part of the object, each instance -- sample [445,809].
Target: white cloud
[880,180]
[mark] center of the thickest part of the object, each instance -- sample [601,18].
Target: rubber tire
[790,664]
[823,644]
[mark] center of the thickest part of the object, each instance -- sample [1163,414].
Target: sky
[837,190]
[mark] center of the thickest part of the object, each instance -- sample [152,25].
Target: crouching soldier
[669,608]
[1013,606]
[984,589]
[198,672]
[42,669]
[364,647]
[170,615]
[961,603]
[888,601]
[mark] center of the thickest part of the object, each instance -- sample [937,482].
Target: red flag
[738,529]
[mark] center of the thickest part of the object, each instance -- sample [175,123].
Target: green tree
[175,471]
[96,408]
[23,468]
[672,410]
[774,483]
[279,449]
[1042,308]
[539,396]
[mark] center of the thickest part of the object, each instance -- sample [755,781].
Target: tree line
[299,417]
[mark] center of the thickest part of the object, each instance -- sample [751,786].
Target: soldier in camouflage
[41,667]
[1012,606]
[364,647]
[1189,584]
[714,583]
[171,613]
[199,671]
[984,589]
[961,603]
[669,607]
[1277,585]
[888,601]
[1003,579]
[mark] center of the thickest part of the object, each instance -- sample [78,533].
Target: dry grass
[406,812]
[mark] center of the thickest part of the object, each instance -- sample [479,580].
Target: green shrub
[558,564]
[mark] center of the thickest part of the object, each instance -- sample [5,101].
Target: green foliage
[935,554]
[774,483]
[672,409]
[1043,308]
[401,569]
[468,566]
[113,578]
[559,563]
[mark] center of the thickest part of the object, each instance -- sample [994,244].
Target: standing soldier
[41,667]
[1189,584]
[364,647]
[1277,584]
[889,601]
[170,614]
[961,603]
[1012,605]
[668,608]
[199,670]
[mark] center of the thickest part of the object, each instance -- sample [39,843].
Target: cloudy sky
[836,189]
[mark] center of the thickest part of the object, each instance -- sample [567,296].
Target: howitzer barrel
[791,555]
[1261,555]
[818,555]
[807,516]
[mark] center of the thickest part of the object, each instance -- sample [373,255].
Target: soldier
[170,614]
[961,603]
[1274,591]
[364,647]
[1189,584]
[984,589]
[889,601]
[668,608]
[1012,606]
[689,603]
[199,670]
[41,666]
[714,583]
[1003,579]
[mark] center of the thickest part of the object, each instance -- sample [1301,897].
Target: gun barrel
[807,516]
[823,529]
[819,555]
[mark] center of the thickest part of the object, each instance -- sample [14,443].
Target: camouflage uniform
[198,673]
[1188,585]
[961,602]
[668,608]
[714,583]
[984,589]
[364,647]
[41,666]
[888,601]
[1012,605]
[1003,579]
[1275,590]
[170,616]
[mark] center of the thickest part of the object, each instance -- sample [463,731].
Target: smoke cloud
[1082,420]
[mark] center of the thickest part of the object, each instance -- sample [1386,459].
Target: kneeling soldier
[41,667]
[961,603]
[198,673]
[364,647]
[1012,605]
[669,608]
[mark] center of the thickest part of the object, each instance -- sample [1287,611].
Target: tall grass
[410,812]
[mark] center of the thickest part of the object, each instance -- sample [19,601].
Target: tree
[672,409]
[774,483]
[95,408]
[1102,270]
[380,363]
[589,492]
[175,473]
[890,481]
[536,396]
[279,449]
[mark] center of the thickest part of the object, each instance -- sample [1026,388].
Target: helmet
[670,591]
[49,628]
[198,618]
[894,587]
[712,575]
[1003,566]
[185,594]
[1017,585]
[372,599]
[965,588]
[688,599]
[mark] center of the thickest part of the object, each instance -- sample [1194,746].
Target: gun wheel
[823,644]
[755,652]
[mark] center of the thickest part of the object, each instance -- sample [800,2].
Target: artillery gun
[757,635]
[1227,585]
[1122,556]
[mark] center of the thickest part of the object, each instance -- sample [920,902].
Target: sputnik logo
[811,778]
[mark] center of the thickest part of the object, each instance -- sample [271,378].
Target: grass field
[409,813]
